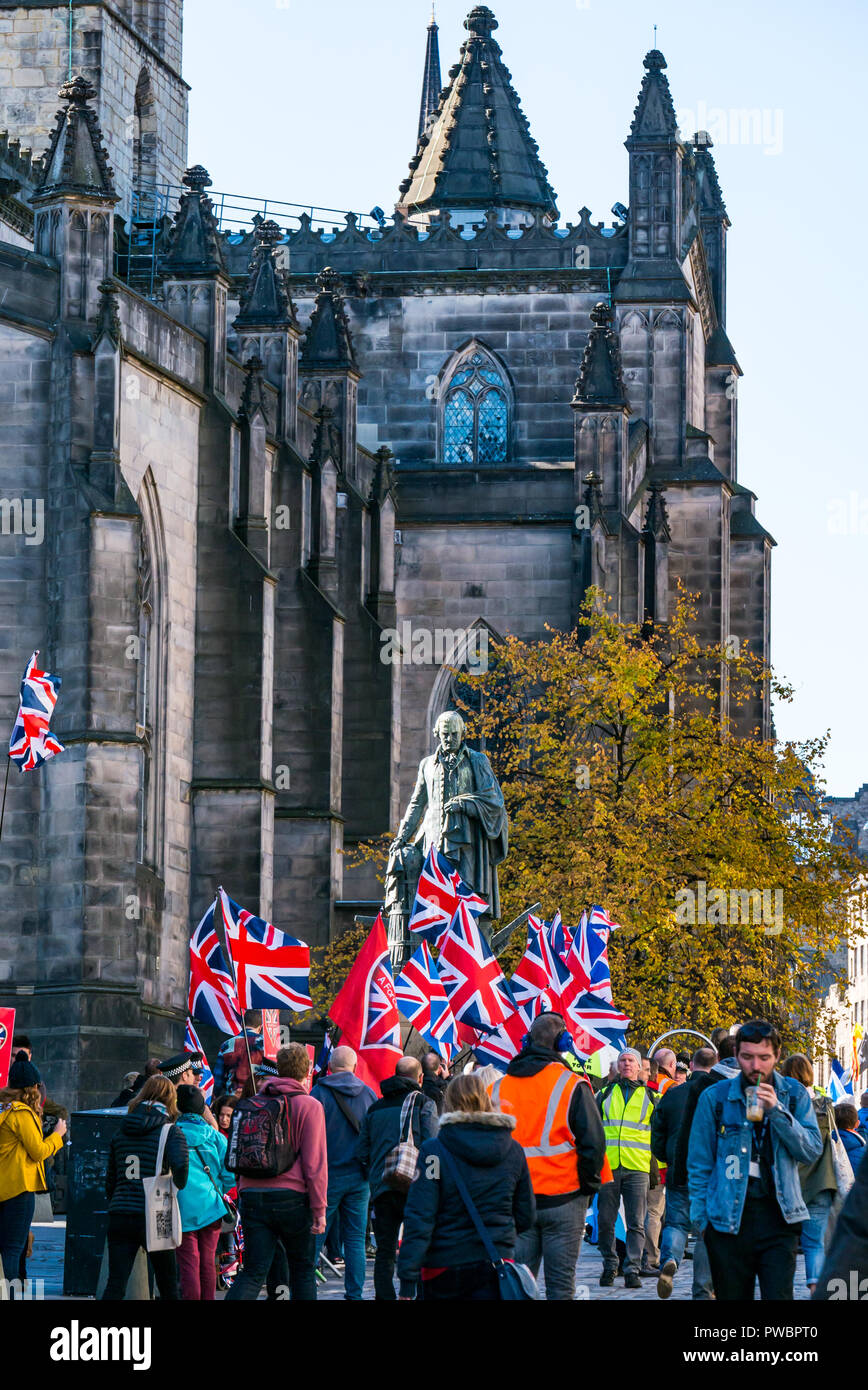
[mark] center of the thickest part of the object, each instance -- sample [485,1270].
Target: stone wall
[34,63]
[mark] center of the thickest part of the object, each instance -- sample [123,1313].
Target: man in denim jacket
[743,1175]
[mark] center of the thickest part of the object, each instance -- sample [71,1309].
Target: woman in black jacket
[132,1157]
[441,1248]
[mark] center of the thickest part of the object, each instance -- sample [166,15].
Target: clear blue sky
[318,103]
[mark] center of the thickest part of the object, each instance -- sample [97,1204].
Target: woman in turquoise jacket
[201,1201]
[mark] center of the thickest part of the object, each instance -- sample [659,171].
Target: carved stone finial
[197,178]
[77,90]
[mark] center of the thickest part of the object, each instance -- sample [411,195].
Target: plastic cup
[755,1108]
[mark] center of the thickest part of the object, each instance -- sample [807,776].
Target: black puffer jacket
[139,1137]
[381,1128]
[438,1232]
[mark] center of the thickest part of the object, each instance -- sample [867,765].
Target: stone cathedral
[257,452]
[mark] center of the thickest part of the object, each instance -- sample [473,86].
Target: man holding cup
[748,1138]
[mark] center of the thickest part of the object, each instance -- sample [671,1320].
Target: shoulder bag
[162,1213]
[515,1281]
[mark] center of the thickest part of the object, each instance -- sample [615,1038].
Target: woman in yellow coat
[23,1152]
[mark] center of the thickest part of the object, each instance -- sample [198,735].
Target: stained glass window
[476,414]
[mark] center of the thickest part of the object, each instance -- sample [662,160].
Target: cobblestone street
[47,1264]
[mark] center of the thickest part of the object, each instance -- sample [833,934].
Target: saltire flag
[438,894]
[212,998]
[596,1023]
[497,1049]
[366,1010]
[540,970]
[476,987]
[272,969]
[321,1065]
[560,936]
[31,743]
[840,1082]
[423,1002]
[192,1044]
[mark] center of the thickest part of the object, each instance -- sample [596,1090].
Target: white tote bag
[162,1213]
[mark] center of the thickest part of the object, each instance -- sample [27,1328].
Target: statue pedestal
[400,946]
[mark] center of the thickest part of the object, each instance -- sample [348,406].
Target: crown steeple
[431,81]
[477,152]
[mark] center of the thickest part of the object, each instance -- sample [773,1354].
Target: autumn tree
[625,787]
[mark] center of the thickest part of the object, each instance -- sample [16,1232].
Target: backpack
[401,1162]
[260,1140]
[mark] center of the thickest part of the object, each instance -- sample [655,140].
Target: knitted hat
[191,1100]
[173,1067]
[23,1074]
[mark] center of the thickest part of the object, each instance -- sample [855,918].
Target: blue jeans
[813,1231]
[676,1229]
[269,1216]
[16,1214]
[348,1199]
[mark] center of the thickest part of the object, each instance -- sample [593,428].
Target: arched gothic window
[476,411]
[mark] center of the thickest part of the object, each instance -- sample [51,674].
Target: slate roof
[478,150]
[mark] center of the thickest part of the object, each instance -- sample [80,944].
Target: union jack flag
[540,970]
[272,970]
[212,998]
[31,744]
[321,1065]
[478,993]
[597,1024]
[588,958]
[560,936]
[441,888]
[497,1049]
[192,1044]
[423,1002]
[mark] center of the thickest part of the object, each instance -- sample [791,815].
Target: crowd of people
[732,1156]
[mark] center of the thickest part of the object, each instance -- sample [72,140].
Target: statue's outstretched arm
[414,813]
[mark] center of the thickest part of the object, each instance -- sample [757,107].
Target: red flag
[366,1010]
[7,1032]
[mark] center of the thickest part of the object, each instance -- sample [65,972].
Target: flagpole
[5,788]
[235,983]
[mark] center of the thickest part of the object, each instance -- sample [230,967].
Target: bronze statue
[456,806]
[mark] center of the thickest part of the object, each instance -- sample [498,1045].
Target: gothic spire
[431,80]
[656,518]
[328,341]
[193,245]
[477,151]
[76,161]
[600,382]
[654,118]
[265,301]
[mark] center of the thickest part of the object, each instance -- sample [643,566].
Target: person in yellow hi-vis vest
[558,1126]
[626,1106]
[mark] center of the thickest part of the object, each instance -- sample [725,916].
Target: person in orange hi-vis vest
[559,1128]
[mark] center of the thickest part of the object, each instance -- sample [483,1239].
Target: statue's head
[449,729]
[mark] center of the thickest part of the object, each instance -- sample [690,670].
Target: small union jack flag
[212,998]
[596,1024]
[423,1002]
[497,1049]
[478,992]
[321,1065]
[192,1044]
[272,970]
[560,936]
[31,743]
[540,970]
[441,889]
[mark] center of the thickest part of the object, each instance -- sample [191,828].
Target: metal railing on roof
[151,204]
